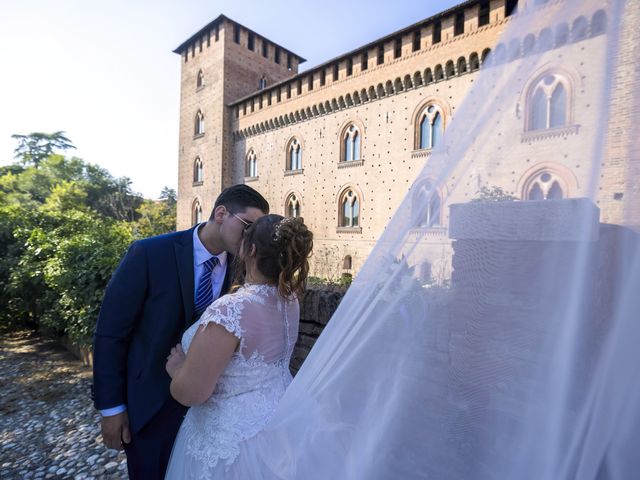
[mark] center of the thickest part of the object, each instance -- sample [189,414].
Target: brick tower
[222,62]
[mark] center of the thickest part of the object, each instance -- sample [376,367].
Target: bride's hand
[175,360]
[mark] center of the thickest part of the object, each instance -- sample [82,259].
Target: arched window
[198,176]
[431,126]
[579,29]
[544,185]
[349,209]
[251,165]
[351,143]
[294,155]
[485,54]
[499,54]
[528,45]
[562,34]
[598,23]
[429,204]
[462,65]
[199,124]
[196,213]
[292,206]
[474,62]
[200,80]
[450,70]
[545,40]
[548,103]
[514,49]
[438,73]
[428,76]
[347,262]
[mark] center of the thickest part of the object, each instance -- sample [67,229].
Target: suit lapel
[184,260]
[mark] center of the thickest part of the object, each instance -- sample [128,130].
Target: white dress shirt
[200,255]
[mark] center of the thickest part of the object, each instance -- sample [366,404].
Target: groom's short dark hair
[238,198]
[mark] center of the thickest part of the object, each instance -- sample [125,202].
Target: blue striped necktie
[204,295]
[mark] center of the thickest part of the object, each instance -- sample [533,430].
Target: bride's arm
[209,353]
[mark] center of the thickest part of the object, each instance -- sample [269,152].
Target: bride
[232,366]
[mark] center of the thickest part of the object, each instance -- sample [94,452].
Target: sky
[103,71]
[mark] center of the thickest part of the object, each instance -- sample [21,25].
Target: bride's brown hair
[283,246]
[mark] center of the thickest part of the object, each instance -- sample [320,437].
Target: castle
[341,143]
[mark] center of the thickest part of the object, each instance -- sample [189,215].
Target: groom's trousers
[150,448]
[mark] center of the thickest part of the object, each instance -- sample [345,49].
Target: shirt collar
[200,252]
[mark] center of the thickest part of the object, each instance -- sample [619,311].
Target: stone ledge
[422,153]
[349,230]
[351,163]
[535,135]
[569,220]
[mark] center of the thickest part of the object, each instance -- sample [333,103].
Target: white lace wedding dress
[248,391]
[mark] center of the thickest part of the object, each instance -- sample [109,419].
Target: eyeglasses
[246,223]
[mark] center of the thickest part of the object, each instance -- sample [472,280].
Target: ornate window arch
[544,185]
[349,208]
[199,123]
[549,101]
[251,164]
[196,212]
[200,79]
[351,143]
[427,204]
[198,173]
[293,206]
[429,124]
[547,181]
[294,155]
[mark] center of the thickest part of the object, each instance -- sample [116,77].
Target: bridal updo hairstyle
[283,246]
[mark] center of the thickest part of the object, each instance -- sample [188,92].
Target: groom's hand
[115,430]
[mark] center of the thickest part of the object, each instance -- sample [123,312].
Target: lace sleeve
[225,311]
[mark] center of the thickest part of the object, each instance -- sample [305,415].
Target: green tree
[64,226]
[36,146]
[157,216]
[169,196]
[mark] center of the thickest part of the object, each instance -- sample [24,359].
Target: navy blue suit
[147,306]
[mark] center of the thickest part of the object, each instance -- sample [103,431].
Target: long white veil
[521,362]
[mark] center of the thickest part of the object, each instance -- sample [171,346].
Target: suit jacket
[147,306]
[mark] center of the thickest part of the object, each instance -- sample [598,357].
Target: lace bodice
[253,382]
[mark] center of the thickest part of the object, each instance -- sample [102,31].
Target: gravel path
[48,426]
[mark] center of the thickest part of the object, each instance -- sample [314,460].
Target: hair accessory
[277,233]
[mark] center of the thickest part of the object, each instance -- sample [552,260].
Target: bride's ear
[252,252]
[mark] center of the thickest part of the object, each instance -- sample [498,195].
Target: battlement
[241,35]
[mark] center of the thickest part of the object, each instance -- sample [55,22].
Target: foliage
[493,194]
[37,146]
[64,226]
[155,217]
[342,282]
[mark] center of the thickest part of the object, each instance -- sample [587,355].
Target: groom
[159,289]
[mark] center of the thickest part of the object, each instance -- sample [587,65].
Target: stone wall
[316,310]
[524,274]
